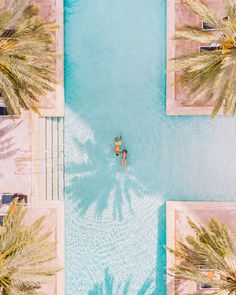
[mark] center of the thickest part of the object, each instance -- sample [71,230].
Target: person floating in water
[118,143]
[123,161]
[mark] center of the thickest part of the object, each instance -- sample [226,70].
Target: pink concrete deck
[54,212]
[179,14]
[16,154]
[178,228]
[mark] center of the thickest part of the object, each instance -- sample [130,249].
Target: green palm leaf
[27,57]
[204,11]
[212,247]
[230,9]
[210,75]
[24,253]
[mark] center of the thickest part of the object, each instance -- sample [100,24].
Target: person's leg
[121,164]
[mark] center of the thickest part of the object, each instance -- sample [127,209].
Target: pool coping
[59,93]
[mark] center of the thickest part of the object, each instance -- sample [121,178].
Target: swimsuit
[124,156]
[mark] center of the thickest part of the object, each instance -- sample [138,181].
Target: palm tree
[27,56]
[212,248]
[211,75]
[24,254]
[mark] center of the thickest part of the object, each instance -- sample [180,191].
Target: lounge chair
[209,48]
[8,198]
[208,27]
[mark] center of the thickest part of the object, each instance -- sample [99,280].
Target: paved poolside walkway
[54,222]
[16,154]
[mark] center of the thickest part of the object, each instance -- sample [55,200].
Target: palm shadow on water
[71,7]
[110,287]
[101,186]
[93,180]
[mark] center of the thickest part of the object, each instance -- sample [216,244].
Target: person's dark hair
[117,154]
[125,151]
[117,138]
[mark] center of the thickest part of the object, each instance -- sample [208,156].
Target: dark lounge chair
[8,198]
[3,111]
[209,48]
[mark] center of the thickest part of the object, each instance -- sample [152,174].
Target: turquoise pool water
[115,83]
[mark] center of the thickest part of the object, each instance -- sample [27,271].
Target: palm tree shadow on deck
[7,145]
[110,287]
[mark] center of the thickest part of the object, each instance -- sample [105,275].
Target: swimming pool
[115,83]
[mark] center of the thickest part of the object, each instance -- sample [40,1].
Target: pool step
[51,158]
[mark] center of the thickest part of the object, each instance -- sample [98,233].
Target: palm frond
[195,34]
[24,253]
[2,3]
[207,74]
[230,9]
[211,247]
[27,57]
[204,11]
